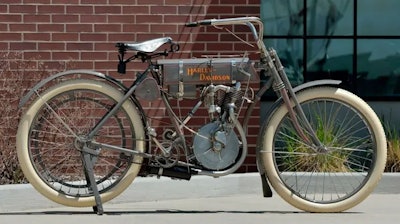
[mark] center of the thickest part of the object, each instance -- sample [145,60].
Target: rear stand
[89,173]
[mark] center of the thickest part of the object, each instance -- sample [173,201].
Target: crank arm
[120,149]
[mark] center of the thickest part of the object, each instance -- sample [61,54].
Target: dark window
[378,17]
[355,41]
[291,53]
[378,67]
[329,59]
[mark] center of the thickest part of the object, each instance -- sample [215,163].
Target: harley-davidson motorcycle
[84,136]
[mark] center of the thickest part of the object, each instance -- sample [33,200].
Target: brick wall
[82,33]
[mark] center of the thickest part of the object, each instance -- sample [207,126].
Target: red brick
[161,28]
[191,10]
[22,9]
[37,55]
[152,2]
[104,64]
[37,1]
[11,1]
[236,2]
[149,19]
[254,2]
[181,19]
[219,47]
[65,2]
[52,46]
[4,28]
[136,9]
[37,36]
[231,38]
[65,55]
[83,65]
[107,9]
[53,65]
[247,10]
[94,37]
[93,18]
[220,10]
[70,18]
[207,37]
[107,28]
[95,2]
[79,28]
[79,9]
[94,55]
[198,46]
[146,36]
[122,19]
[244,47]
[121,37]
[181,38]
[22,27]
[163,10]
[135,28]
[54,27]
[50,9]
[23,46]
[3,8]
[4,45]
[119,2]
[10,18]
[180,2]
[65,37]
[106,46]
[10,36]
[79,46]
[36,18]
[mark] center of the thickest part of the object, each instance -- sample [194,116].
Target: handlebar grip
[199,23]
[205,22]
[192,24]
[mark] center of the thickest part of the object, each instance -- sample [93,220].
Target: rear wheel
[52,135]
[330,180]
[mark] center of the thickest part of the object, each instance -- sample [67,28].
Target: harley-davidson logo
[206,74]
[199,70]
[205,77]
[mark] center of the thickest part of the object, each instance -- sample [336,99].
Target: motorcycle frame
[269,62]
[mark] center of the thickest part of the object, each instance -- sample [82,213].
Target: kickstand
[89,173]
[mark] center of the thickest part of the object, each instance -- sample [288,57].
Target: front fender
[323,82]
[43,82]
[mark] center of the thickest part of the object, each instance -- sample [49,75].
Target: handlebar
[248,21]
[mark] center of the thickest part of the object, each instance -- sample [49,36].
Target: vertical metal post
[88,164]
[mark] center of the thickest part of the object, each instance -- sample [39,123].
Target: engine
[214,147]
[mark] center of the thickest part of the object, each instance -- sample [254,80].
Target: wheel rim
[332,176]
[52,142]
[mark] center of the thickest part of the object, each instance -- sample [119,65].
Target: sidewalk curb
[153,189]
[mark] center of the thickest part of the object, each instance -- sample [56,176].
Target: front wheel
[330,180]
[49,142]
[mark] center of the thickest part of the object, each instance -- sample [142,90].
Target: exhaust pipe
[174,172]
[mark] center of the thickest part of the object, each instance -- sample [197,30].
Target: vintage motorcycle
[84,136]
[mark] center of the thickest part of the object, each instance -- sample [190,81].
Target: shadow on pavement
[160,212]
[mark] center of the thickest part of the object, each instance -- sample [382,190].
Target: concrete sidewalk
[23,197]
[233,199]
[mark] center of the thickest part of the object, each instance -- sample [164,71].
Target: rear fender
[108,79]
[47,80]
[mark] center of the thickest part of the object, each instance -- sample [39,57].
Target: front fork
[284,88]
